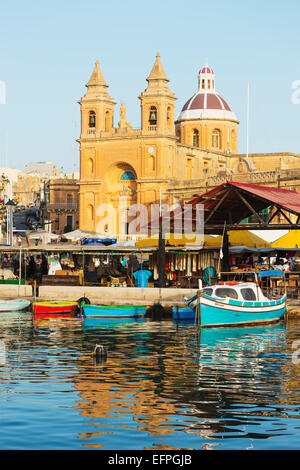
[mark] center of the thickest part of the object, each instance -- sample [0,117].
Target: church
[169,159]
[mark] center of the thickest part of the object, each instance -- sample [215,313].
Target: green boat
[113,311]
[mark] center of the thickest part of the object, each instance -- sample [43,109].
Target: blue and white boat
[235,303]
[14,305]
[113,311]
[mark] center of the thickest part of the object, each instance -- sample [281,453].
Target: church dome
[206,103]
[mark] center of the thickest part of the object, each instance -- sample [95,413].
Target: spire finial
[97,77]
[157,71]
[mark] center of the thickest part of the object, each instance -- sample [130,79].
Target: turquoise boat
[110,323]
[183,313]
[113,311]
[235,303]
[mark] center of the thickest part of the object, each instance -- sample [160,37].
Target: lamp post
[10,207]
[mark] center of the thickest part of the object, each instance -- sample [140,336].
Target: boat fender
[82,300]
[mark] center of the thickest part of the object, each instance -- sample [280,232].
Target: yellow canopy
[238,238]
[172,239]
[289,240]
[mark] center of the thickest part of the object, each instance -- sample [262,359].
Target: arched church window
[233,140]
[90,212]
[90,165]
[128,175]
[153,116]
[169,116]
[92,119]
[195,138]
[107,121]
[216,139]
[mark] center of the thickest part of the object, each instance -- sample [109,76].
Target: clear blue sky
[48,51]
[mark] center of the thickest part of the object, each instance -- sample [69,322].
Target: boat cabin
[243,291]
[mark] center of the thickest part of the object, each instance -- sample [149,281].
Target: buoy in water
[100,351]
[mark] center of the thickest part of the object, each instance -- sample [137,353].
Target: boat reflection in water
[171,376]
[163,385]
[228,343]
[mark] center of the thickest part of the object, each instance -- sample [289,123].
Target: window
[153,116]
[92,119]
[128,175]
[70,221]
[208,291]
[224,292]
[169,116]
[90,212]
[248,294]
[107,121]
[195,138]
[90,165]
[216,139]
[69,201]
[189,168]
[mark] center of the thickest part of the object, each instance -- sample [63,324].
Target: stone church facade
[169,159]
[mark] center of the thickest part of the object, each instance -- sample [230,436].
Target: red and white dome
[206,103]
[206,69]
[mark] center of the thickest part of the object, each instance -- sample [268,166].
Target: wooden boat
[14,305]
[235,303]
[113,311]
[55,308]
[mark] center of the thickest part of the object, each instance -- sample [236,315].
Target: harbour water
[163,385]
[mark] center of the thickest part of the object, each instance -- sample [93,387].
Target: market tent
[230,203]
[42,235]
[289,240]
[173,239]
[239,238]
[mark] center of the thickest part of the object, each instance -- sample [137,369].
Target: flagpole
[247,137]
[221,250]
[161,248]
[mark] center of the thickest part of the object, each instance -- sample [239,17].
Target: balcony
[63,206]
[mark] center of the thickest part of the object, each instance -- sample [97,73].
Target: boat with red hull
[54,309]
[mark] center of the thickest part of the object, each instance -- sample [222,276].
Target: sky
[48,51]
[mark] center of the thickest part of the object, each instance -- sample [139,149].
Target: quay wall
[117,295]
[15,290]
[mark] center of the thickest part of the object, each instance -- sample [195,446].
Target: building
[62,208]
[168,159]
[43,170]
